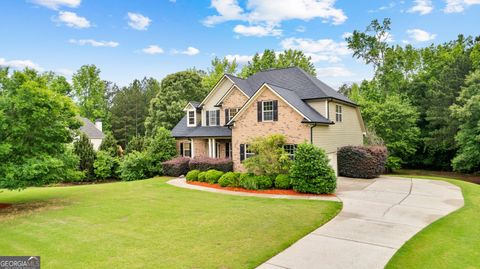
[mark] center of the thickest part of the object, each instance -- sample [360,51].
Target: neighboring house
[286,101]
[93,131]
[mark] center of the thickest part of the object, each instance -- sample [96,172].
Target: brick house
[285,101]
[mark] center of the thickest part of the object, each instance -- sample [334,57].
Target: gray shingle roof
[292,98]
[181,130]
[89,129]
[243,84]
[195,104]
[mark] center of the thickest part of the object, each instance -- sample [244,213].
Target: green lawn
[451,242]
[150,224]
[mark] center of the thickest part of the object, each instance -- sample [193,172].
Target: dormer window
[192,118]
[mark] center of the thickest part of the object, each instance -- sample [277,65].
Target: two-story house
[286,101]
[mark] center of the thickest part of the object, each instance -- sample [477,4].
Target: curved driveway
[377,218]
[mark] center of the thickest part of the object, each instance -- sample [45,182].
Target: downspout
[311,132]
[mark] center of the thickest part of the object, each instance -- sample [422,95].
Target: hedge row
[361,161]
[181,165]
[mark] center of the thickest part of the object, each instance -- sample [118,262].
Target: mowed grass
[450,242]
[150,224]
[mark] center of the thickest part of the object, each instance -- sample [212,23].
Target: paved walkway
[377,218]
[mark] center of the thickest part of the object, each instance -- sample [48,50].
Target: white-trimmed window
[248,152]
[290,150]
[231,113]
[267,111]
[186,149]
[192,118]
[338,113]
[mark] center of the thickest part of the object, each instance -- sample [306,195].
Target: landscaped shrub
[176,167]
[311,172]
[361,162]
[264,181]
[105,165]
[230,179]
[212,176]
[161,147]
[248,181]
[205,164]
[270,157]
[136,165]
[192,175]
[85,152]
[282,181]
[201,176]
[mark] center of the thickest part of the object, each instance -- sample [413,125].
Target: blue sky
[133,39]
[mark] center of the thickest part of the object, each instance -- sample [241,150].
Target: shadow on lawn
[14,210]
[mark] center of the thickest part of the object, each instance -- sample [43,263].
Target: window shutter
[218,116]
[259,111]
[207,117]
[275,110]
[242,152]
[227,150]
[181,149]
[226,116]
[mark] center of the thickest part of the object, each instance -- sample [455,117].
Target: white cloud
[319,50]
[71,19]
[346,35]
[300,29]
[64,72]
[456,6]
[240,59]
[334,71]
[382,8]
[94,43]
[152,49]
[19,64]
[387,37]
[421,6]
[272,12]
[138,22]
[190,51]
[419,35]
[56,4]
[257,30]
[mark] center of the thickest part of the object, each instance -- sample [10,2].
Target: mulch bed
[269,191]
[2,205]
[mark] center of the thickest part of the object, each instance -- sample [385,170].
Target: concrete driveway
[377,218]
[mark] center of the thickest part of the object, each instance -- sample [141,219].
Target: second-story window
[191,118]
[338,113]
[230,113]
[267,111]
[213,117]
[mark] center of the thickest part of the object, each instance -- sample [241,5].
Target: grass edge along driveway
[450,242]
[150,224]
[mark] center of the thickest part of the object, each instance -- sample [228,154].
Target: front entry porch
[213,147]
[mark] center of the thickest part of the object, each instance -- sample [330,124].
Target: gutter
[311,132]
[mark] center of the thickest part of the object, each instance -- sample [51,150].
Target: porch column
[214,148]
[192,149]
[209,147]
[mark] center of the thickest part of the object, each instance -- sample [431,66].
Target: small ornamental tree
[85,152]
[161,147]
[270,157]
[137,143]
[109,145]
[311,172]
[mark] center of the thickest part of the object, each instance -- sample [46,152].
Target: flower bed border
[267,191]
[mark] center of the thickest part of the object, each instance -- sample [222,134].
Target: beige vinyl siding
[320,106]
[347,132]
[220,91]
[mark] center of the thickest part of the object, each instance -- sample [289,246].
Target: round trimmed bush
[192,175]
[201,176]
[230,179]
[311,171]
[282,181]
[264,182]
[212,176]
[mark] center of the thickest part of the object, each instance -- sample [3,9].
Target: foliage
[230,179]
[361,162]
[311,172]
[192,175]
[137,165]
[36,123]
[282,181]
[130,108]
[85,152]
[270,157]
[161,148]
[467,113]
[212,176]
[201,176]
[106,165]
[372,139]
[264,181]
[248,181]
[89,91]
[269,59]
[177,89]
[137,143]
[216,72]
[176,167]
[109,145]
[206,163]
